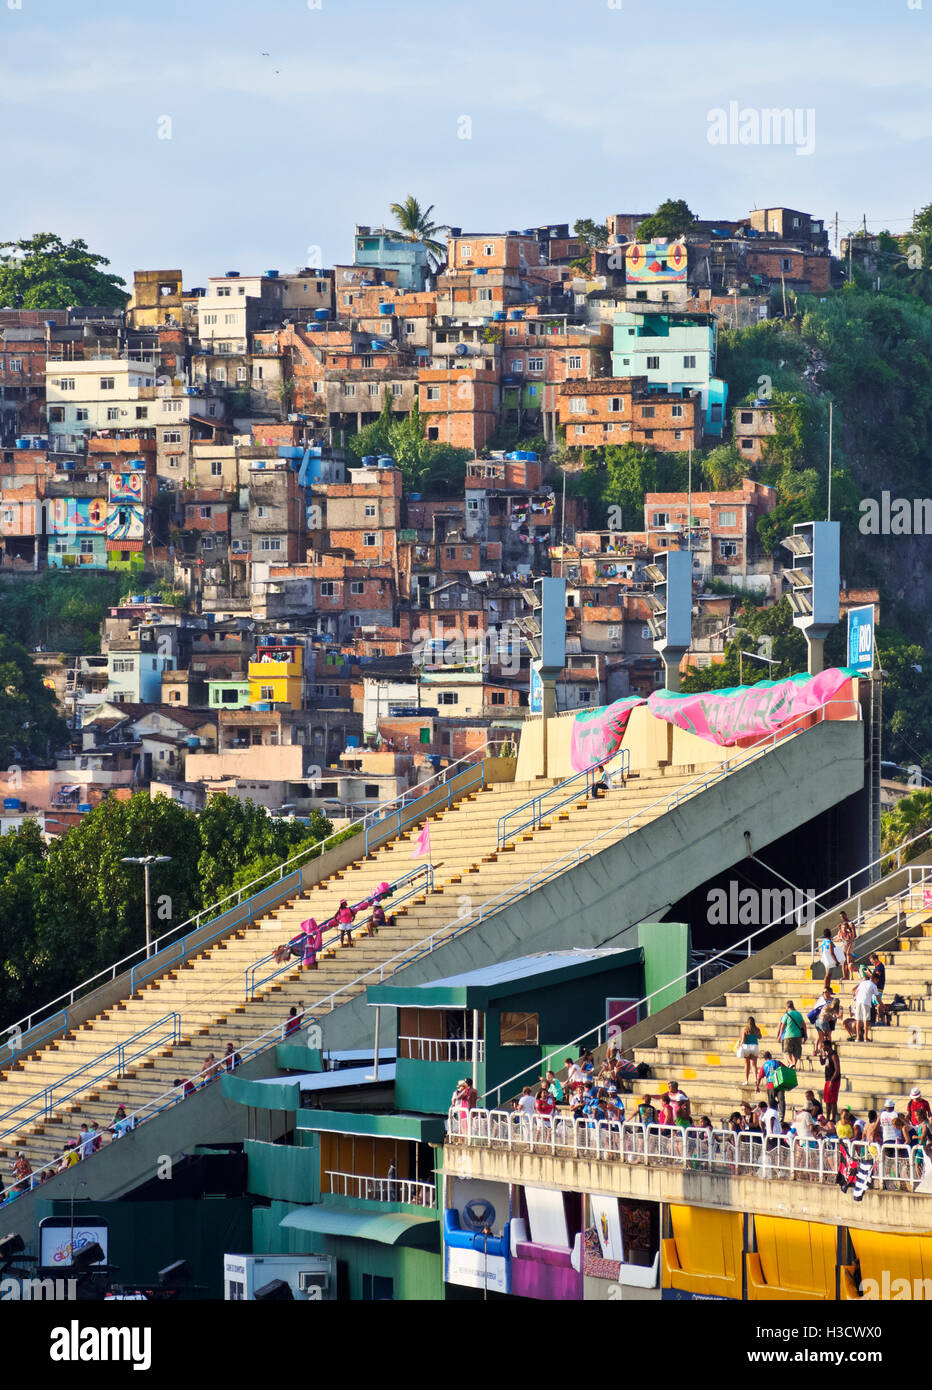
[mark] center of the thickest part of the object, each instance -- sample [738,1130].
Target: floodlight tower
[545,635]
[671,606]
[815,580]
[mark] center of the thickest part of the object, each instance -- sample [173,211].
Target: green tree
[234,834]
[30,725]
[908,818]
[376,437]
[44,272]
[414,221]
[671,219]
[22,863]
[788,650]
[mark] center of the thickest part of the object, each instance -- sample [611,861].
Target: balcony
[404,1190]
[438,1049]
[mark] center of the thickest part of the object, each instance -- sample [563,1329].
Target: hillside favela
[466,749]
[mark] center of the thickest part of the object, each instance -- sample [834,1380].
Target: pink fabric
[748,712]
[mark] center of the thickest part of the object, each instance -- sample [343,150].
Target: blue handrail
[395,821]
[48,1098]
[424,872]
[533,810]
[146,970]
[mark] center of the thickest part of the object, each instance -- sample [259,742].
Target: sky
[219,134]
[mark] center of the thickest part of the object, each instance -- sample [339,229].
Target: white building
[106,393]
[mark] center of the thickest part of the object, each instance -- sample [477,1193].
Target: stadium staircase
[170,1024]
[699,1051]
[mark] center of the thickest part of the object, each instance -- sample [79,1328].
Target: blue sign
[861,638]
[537,691]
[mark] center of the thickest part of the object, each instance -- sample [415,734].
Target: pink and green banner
[748,711]
[597,733]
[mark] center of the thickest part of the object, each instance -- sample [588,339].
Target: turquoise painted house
[676,352]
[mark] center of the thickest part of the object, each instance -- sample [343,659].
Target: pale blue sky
[577,109]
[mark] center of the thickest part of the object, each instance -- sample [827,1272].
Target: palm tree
[909,817]
[415,224]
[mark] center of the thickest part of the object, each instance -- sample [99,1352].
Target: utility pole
[830,411]
[783,283]
[836,233]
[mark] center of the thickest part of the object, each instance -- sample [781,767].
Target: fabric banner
[746,712]
[597,733]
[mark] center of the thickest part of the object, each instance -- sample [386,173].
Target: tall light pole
[147,860]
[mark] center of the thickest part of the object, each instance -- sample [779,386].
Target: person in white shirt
[770,1120]
[575,1076]
[888,1127]
[865,998]
[526,1101]
[802,1123]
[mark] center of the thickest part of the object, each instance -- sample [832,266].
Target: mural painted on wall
[746,712]
[67,515]
[648,261]
[125,522]
[127,487]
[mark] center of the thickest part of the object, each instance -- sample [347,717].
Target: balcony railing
[417,1194]
[438,1049]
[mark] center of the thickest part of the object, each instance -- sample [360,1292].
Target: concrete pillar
[671,666]
[548,711]
[816,649]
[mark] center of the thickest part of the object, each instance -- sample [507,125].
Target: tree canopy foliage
[45,272]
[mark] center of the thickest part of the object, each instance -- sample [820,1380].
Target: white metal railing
[599,1032]
[896,1167]
[240,895]
[438,1049]
[407,1190]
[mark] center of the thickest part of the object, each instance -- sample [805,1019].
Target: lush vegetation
[30,726]
[71,908]
[44,272]
[426,466]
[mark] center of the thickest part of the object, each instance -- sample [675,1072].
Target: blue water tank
[386,308]
[513,456]
[313,327]
[232,274]
[84,806]
[481,270]
[290,451]
[461,349]
[262,705]
[414,497]
[369,461]
[386,461]
[321,314]
[11,803]
[20,444]
[498,315]
[352,740]
[272,274]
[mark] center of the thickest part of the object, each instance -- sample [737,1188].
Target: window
[257,371]
[66,383]
[397,388]
[727,518]
[677,412]
[574,362]
[357,586]
[266,692]
[466,250]
[205,513]
[370,509]
[746,443]
[689,361]
[16,364]
[433,393]
[535,364]
[580,429]
[262,511]
[747,417]
[648,434]
[450,552]
[142,412]
[578,405]
[517,1029]
[270,543]
[367,359]
[661,518]
[328,588]
[207,543]
[355,620]
[677,434]
[653,364]
[216,468]
[370,538]
[448,697]
[220,374]
[349,389]
[86,546]
[113,412]
[81,413]
[56,414]
[715,414]
[171,407]
[498,697]
[378,1288]
[374,388]
[786,263]
[485,295]
[517,365]
[241,374]
[107,383]
[728,549]
[647,412]
[616,403]
[210,319]
[410,328]
[229,318]
[488,249]
[223,291]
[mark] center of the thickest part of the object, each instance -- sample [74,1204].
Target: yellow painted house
[276,675]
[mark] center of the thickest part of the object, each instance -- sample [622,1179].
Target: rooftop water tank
[232,274]
[321,315]
[386,308]
[498,315]
[369,461]
[84,806]
[272,274]
[386,461]
[461,349]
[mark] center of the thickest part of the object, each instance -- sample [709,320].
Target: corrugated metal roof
[522,967]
